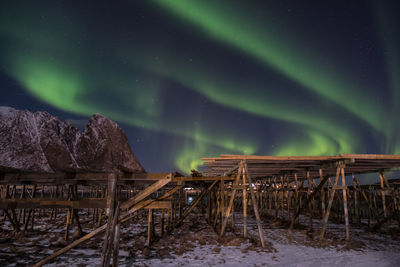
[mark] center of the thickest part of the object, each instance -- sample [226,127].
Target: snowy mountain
[40,142]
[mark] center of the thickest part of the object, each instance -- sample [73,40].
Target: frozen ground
[196,244]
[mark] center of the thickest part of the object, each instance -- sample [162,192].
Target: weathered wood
[113,216]
[146,192]
[150,226]
[67,223]
[196,202]
[346,212]
[231,200]
[322,193]
[299,209]
[253,200]
[383,195]
[36,203]
[355,197]
[328,209]
[244,204]
[159,205]
[116,245]
[109,239]
[128,215]
[72,245]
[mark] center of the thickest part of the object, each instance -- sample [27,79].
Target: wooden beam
[328,209]
[146,192]
[231,200]
[122,218]
[159,205]
[309,197]
[197,201]
[253,200]
[48,203]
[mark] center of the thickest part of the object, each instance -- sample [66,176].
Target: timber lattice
[282,187]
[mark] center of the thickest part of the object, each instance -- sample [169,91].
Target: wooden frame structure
[283,187]
[25,196]
[301,182]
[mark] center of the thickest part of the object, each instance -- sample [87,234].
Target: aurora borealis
[191,79]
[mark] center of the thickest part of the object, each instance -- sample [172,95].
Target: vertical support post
[392,192]
[282,196]
[113,214]
[222,204]
[116,243]
[383,195]
[209,207]
[150,227]
[328,209]
[244,205]
[253,200]
[322,194]
[310,211]
[162,222]
[355,195]
[296,200]
[231,201]
[346,212]
[276,199]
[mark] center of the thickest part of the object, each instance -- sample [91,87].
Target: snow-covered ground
[196,244]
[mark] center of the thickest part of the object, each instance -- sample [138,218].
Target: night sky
[191,79]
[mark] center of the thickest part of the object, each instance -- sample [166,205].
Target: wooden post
[150,226]
[310,211]
[276,204]
[244,205]
[328,209]
[392,193]
[162,222]
[196,202]
[112,220]
[109,241]
[383,195]
[116,242]
[253,200]
[222,193]
[282,195]
[356,206]
[322,194]
[296,200]
[67,225]
[288,192]
[346,212]
[231,200]
[309,198]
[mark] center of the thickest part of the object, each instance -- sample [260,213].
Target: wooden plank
[309,197]
[235,187]
[253,200]
[197,201]
[201,179]
[159,205]
[70,246]
[147,202]
[48,203]
[97,231]
[346,212]
[146,192]
[328,209]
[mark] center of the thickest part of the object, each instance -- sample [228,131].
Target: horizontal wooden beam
[46,203]
[146,192]
[202,178]
[159,205]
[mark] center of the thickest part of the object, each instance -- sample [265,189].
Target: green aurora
[270,47]
[309,104]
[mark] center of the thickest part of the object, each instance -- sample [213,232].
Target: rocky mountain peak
[41,142]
